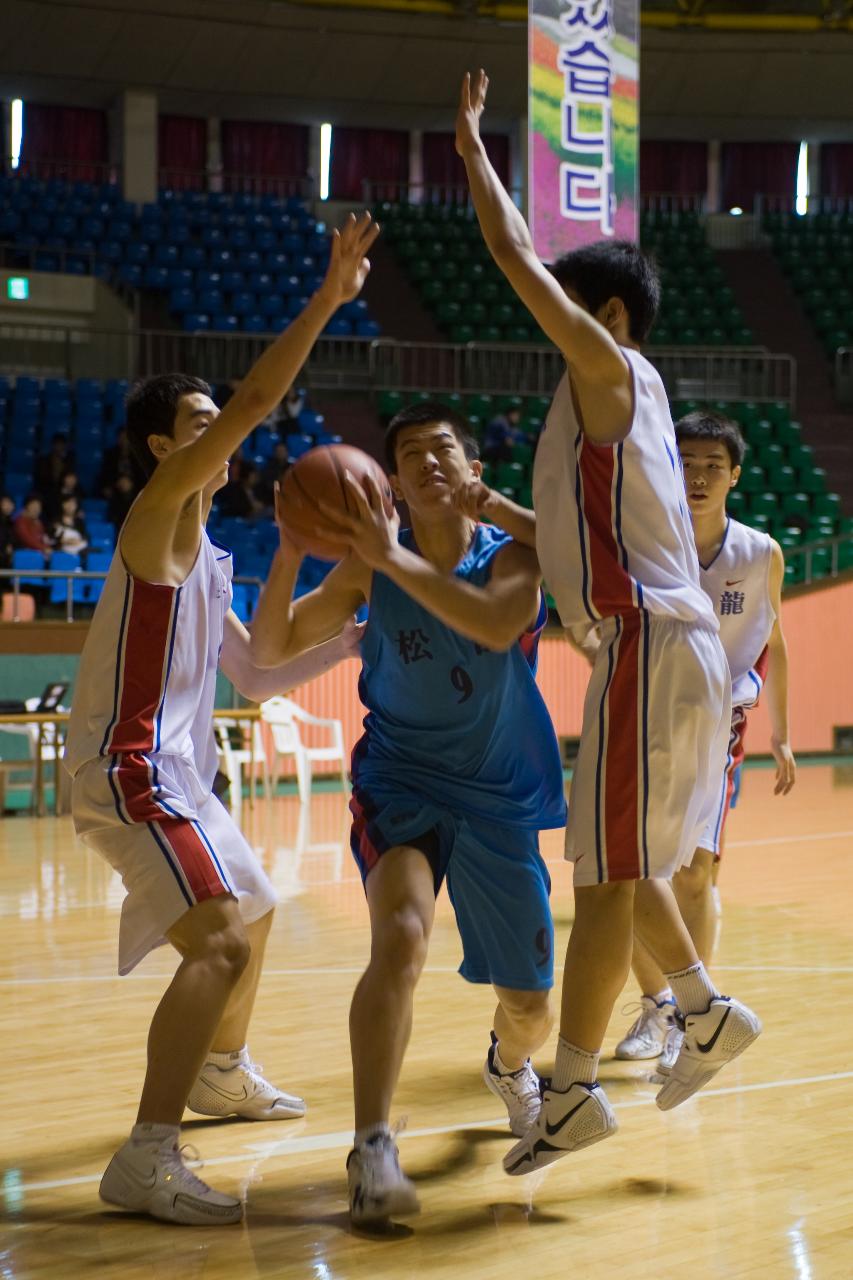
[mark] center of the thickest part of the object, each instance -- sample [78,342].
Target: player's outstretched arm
[493,616]
[477,500]
[776,684]
[591,353]
[283,627]
[189,470]
[257,684]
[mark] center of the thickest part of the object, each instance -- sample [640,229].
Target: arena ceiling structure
[778,69]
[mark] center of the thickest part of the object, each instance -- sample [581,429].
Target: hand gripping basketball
[315,491]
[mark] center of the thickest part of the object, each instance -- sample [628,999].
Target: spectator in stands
[121,500]
[69,531]
[118,460]
[292,404]
[240,497]
[502,433]
[7,530]
[68,487]
[52,465]
[273,470]
[29,531]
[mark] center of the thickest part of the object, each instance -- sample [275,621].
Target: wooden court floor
[752,1178]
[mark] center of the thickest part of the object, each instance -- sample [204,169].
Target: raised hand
[351,637]
[472,101]
[288,546]
[348,265]
[474,498]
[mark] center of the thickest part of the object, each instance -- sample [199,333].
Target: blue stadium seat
[243,304]
[272,304]
[96,562]
[102,535]
[155,278]
[338,328]
[223,323]
[298,444]
[256,323]
[367,329]
[180,278]
[30,561]
[232,281]
[181,300]
[195,321]
[130,274]
[63,561]
[210,300]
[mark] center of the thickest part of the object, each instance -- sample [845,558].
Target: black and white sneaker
[711,1039]
[517,1090]
[378,1188]
[567,1121]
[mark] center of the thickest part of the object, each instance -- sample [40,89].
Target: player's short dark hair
[614,269]
[705,424]
[421,415]
[152,406]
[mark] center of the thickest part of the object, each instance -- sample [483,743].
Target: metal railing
[441,194]
[806,554]
[814,204]
[21,257]
[254,184]
[672,202]
[844,376]
[101,174]
[72,578]
[373,364]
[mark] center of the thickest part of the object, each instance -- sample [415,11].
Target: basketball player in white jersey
[616,549]
[141,751]
[741,570]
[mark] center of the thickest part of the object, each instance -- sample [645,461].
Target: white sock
[573,1066]
[370,1131]
[692,988]
[225,1061]
[500,1065]
[163,1134]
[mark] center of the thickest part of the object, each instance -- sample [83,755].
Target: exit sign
[18,288]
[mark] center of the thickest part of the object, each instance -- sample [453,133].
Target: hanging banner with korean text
[583,122]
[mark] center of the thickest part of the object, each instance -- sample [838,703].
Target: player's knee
[694,881]
[228,953]
[528,1010]
[401,944]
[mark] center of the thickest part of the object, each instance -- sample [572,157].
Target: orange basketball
[319,473]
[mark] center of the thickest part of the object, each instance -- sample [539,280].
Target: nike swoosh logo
[551,1129]
[708,1046]
[223,1093]
[734,582]
[132,1175]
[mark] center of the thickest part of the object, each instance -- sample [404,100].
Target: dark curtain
[443,167]
[64,142]
[182,152]
[748,169]
[376,155]
[836,169]
[264,147]
[673,168]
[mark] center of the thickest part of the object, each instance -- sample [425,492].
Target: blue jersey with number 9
[460,724]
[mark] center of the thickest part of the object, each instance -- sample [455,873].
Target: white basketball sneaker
[378,1188]
[517,1090]
[671,1049]
[711,1039]
[148,1178]
[646,1036]
[566,1122]
[241,1090]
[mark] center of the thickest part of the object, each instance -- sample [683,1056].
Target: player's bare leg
[522,1023]
[229,1082]
[693,888]
[401,899]
[148,1174]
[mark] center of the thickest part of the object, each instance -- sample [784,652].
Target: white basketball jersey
[737,580]
[147,677]
[613,531]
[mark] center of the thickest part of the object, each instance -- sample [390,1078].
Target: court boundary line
[343,1138]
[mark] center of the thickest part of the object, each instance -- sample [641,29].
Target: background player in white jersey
[617,551]
[140,749]
[742,571]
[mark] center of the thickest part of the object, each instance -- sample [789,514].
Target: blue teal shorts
[496,879]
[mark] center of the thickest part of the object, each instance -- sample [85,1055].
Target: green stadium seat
[753,480]
[796,505]
[801,457]
[782,480]
[788,433]
[770,455]
[509,475]
[432,291]
[390,402]
[736,504]
[760,433]
[763,504]
[826,504]
[757,521]
[448,313]
[814,481]
[462,334]
[793,572]
[480,405]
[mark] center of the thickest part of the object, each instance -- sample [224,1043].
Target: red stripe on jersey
[621,784]
[737,752]
[146,648]
[193,857]
[610,586]
[133,776]
[367,853]
[760,667]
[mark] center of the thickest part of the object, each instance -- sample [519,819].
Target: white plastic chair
[234,758]
[284,718]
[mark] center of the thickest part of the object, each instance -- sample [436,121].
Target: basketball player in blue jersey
[456,773]
[615,543]
[141,751]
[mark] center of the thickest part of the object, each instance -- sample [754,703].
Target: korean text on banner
[583,122]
